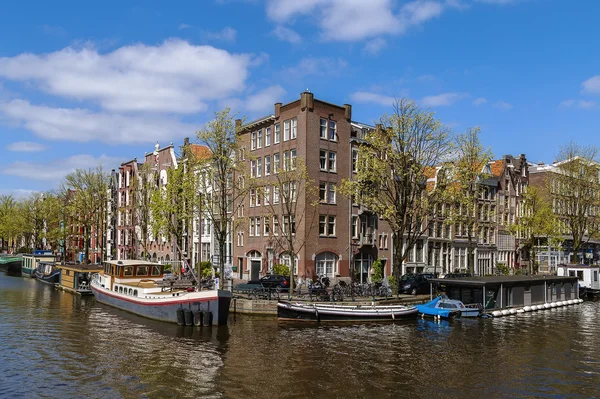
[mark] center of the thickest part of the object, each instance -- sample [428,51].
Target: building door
[254,269]
[241,267]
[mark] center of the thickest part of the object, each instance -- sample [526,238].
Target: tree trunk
[397,266]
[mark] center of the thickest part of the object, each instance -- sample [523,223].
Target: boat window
[116,288]
[135,292]
[130,291]
[445,305]
[580,275]
[156,270]
[128,271]
[68,272]
[121,290]
[141,271]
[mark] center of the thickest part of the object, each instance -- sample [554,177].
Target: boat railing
[474,306]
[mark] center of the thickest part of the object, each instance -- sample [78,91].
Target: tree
[9,227]
[467,173]
[222,179]
[391,177]
[575,191]
[290,206]
[143,187]
[537,220]
[86,194]
[171,206]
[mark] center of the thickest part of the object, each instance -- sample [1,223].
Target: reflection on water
[54,344]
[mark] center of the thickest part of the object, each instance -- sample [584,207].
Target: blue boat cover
[429,309]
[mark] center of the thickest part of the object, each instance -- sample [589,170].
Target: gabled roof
[200,151]
[497,167]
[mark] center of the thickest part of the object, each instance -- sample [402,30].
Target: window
[229,203]
[275,195]
[240,211]
[332,158]
[253,141]
[293,192]
[326,264]
[293,159]
[258,228]
[252,224]
[240,239]
[289,224]
[258,199]
[355,226]
[332,130]
[267,225]
[286,259]
[277,133]
[276,163]
[141,271]
[327,160]
[354,160]
[252,197]
[267,165]
[327,193]
[253,168]
[275,225]
[259,138]
[286,130]
[156,270]
[267,137]
[294,128]
[327,225]
[267,195]
[286,160]
[323,133]
[128,271]
[259,167]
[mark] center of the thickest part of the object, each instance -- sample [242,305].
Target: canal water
[57,345]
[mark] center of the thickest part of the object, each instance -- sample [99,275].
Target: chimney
[277,110]
[348,112]
[238,123]
[307,100]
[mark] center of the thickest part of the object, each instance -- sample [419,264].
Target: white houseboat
[589,286]
[137,286]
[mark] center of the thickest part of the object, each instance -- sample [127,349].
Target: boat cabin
[587,276]
[499,292]
[132,277]
[31,261]
[76,278]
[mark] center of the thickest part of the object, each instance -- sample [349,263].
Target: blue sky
[84,83]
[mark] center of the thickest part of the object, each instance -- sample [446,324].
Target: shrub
[281,269]
[206,269]
[502,268]
[377,276]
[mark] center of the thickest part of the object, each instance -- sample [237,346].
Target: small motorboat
[445,308]
[47,272]
[324,312]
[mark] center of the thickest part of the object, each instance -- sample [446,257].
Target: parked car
[415,283]
[272,281]
[458,275]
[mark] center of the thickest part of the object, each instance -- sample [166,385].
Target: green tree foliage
[392,173]
[537,220]
[281,269]
[377,271]
[222,179]
[85,191]
[9,226]
[466,175]
[171,206]
[575,190]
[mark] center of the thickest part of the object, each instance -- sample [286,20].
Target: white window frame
[323,128]
[268,136]
[277,134]
[332,131]
[253,141]
[294,122]
[267,165]
[259,139]
[286,130]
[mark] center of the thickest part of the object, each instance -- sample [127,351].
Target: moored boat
[138,287]
[324,312]
[11,263]
[445,308]
[47,272]
[31,261]
[76,278]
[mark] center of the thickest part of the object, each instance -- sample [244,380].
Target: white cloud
[175,76]
[56,170]
[25,146]
[583,104]
[184,26]
[376,98]
[317,66]
[82,125]
[17,193]
[264,99]
[350,20]
[286,34]
[502,105]
[567,103]
[480,101]
[497,2]
[227,34]
[592,85]
[375,46]
[440,100]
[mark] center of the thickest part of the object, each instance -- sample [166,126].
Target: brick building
[342,237]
